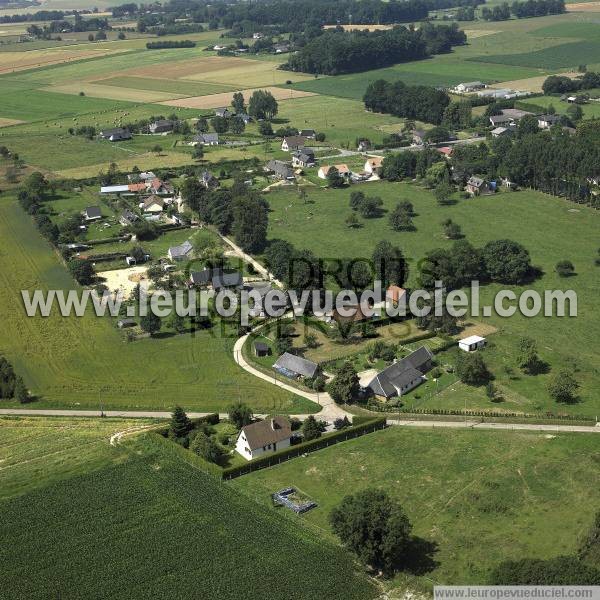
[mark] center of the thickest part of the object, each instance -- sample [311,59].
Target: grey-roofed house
[116,134]
[280,169]
[281,48]
[547,121]
[261,349]
[308,133]
[209,181]
[270,435]
[304,158]
[218,278]
[293,142]
[223,112]
[128,218]
[180,252]
[402,376]
[206,139]
[92,213]
[161,126]
[476,186]
[292,366]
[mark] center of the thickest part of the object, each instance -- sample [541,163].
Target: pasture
[155,522]
[562,231]
[84,362]
[479,497]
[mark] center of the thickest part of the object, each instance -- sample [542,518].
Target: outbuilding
[472,343]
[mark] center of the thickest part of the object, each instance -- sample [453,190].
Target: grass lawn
[482,497]
[562,231]
[85,362]
[156,523]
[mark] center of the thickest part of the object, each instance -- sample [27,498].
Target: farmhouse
[281,48]
[308,133]
[293,142]
[472,343]
[206,139]
[162,188]
[153,204]
[418,137]
[471,86]
[445,151]
[262,437]
[116,134]
[161,126]
[509,115]
[363,145]
[92,213]
[180,252]
[294,366]
[402,376]
[477,186]
[343,170]
[373,164]
[280,169]
[303,158]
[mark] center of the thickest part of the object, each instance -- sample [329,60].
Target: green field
[582,31]
[138,521]
[562,231]
[557,57]
[77,362]
[590,111]
[482,497]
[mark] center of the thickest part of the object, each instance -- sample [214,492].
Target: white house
[373,164]
[263,437]
[470,86]
[472,343]
[343,170]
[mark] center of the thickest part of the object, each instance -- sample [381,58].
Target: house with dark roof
[477,186]
[116,134]
[223,112]
[261,349]
[308,133]
[217,278]
[402,376]
[281,48]
[128,218]
[280,169]
[206,139]
[262,437]
[92,213]
[547,121]
[293,366]
[291,143]
[303,158]
[180,252]
[161,126]
[209,181]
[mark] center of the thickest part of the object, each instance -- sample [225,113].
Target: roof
[151,200]
[375,161]
[471,84]
[129,216]
[401,373]
[307,132]
[294,141]
[549,118]
[110,189]
[224,279]
[93,212]
[342,169]
[181,250]
[207,138]
[137,187]
[280,167]
[296,364]
[261,346]
[114,131]
[472,339]
[475,181]
[395,292]
[269,431]
[500,130]
[445,150]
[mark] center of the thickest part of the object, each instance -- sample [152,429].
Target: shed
[472,343]
[261,349]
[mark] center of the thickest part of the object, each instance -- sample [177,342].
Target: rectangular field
[184,88]
[79,362]
[98,90]
[479,497]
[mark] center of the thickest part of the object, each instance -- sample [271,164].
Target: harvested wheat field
[477,33]
[110,92]
[583,7]
[21,61]
[9,122]
[224,99]
[531,84]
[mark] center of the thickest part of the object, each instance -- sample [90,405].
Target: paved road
[331,410]
[323,415]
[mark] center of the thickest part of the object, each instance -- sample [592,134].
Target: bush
[565,268]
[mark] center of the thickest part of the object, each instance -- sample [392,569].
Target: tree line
[523,10]
[337,51]
[170,44]
[561,84]
[409,101]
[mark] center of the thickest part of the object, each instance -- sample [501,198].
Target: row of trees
[337,51]
[408,101]
[522,10]
[561,84]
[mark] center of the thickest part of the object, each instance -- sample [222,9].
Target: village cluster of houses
[483,91]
